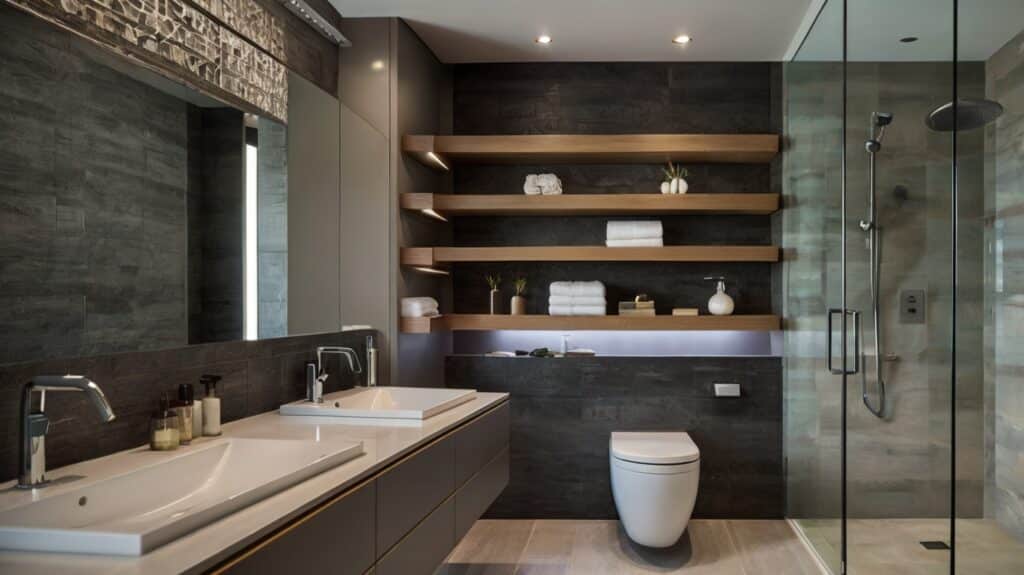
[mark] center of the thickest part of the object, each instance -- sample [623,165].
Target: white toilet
[654,482]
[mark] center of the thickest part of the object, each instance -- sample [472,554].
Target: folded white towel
[635,243]
[577,289]
[633,230]
[576,300]
[577,310]
[549,184]
[419,306]
[530,186]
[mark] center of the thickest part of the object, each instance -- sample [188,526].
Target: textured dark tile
[564,410]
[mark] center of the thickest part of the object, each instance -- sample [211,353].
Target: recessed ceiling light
[543,39]
[681,40]
[908,39]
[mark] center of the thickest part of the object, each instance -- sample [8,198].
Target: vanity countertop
[207,547]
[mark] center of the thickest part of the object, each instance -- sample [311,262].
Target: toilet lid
[655,447]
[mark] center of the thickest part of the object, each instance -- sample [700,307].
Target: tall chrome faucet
[35,424]
[316,375]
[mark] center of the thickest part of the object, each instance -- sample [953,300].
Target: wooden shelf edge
[487,322]
[432,256]
[590,204]
[439,151]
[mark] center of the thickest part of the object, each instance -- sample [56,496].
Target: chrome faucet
[35,424]
[316,375]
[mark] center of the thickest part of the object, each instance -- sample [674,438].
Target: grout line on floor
[522,552]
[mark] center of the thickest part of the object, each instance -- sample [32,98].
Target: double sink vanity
[381,480]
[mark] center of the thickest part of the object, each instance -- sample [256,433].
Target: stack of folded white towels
[545,184]
[634,234]
[419,307]
[577,298]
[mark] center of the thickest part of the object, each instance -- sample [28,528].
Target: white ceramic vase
[721,303]
[666,187]
[679,186]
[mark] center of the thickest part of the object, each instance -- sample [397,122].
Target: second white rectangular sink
[403,403]
[134,512]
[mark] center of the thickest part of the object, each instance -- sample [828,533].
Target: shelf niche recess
[441,152]
[444,205]
[487,322]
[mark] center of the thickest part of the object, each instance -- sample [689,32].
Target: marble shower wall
[898,465]
[1004,290]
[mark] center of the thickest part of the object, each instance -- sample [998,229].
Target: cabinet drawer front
[423,549]
[480,441]
[473,498]
[337,538]
[409,491]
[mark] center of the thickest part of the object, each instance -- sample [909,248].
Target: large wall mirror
[135,213]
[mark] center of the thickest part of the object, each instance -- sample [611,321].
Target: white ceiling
[875,27]
[460,31]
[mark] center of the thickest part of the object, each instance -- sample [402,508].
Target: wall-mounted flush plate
[727,390]
[912,306]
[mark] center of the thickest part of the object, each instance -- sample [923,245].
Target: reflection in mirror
[135,213]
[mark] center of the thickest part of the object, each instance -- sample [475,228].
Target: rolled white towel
[577,289]
[549,184]
[419,306]
[574,300]
[633,230]
[577,310]
[636,243]
[530,186]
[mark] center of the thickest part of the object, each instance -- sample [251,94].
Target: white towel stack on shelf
[546,184]
[419,307]
[577,298]
[634,234]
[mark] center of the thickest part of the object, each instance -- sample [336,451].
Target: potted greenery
[518,301]
[674,182]
[495,283]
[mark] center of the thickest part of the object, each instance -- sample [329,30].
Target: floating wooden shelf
[441,151]
[486,322]
[428,257]
[590,204]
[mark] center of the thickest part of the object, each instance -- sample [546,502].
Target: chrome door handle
[855,315]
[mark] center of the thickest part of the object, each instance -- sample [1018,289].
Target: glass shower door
[813,284]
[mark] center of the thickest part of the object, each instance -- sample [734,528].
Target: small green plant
[494,281]
[674,171]
[520,285]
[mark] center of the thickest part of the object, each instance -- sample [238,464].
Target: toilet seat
[654,447]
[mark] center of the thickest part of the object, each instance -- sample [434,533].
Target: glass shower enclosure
[903,286]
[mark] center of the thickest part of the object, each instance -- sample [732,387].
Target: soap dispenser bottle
[720,303]
[211,405]
[371,362]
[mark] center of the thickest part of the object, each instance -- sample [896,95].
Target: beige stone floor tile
[492,547]
[549,549]
[770,546]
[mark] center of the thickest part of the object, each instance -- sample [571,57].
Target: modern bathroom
[392,287]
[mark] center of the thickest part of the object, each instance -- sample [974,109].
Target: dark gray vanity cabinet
[402,521]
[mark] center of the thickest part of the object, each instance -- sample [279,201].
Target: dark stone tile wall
[258,377]
[92,200]
[564,410]
[616,98]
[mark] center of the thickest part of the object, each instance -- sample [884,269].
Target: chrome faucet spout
[316,375]
[35,424]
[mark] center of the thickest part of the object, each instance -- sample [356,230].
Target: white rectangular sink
[137,511]
[406,403]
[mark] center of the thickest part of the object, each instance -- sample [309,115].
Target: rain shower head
[970,114]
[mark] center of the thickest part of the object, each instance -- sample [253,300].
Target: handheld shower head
[879,120]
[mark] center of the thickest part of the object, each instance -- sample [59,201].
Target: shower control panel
[912,306]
